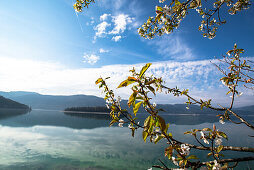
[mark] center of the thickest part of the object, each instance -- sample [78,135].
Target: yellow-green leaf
[98,80]
[219,148]
[192,157]
[151,89]
[136,107]
[126,83]
[157,139]
[144,134]
[132,98]
[223,135]
[162,123]
[143,70]
[147,121]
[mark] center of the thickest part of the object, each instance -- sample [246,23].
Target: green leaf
[166,129]
[132,132]
[98,80]
[151,89]
[209,154]
[150,82]
[157,139]
[112,122]
[136,107]
[158,8]
[132,98]
[188,132]
[147,121]
[207,129]
[192,157]
[144,134]
[127,82]
[168,152]
[143,70]
[162,123]
[219,148]
[223,135]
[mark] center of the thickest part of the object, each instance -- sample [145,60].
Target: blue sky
[46,47]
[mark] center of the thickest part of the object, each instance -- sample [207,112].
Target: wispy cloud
[116,38]
[201,77]
[101,50]
[91,59]
[173,47]
[104,17]
[101,29]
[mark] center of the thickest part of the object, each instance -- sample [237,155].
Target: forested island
[89,109]
[97,112]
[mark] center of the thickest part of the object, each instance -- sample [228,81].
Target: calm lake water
[45,139]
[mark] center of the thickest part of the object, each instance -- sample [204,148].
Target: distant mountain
[38,101]
[10,104]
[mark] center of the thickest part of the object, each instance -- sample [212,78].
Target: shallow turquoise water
[53,140]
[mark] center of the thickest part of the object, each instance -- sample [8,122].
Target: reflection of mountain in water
[90,115]
[7,113]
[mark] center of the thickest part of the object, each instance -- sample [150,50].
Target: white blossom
[203,137]
[161,1]
[157,130]
[206,141]
[216,165]
[150,169]
[223,82]
[202,134]
[221,121]
[154,104]
[130,126]
[185,150]
[174,161]
[160,89]
[107,106]
[218,141]
[120,124]
[239,94]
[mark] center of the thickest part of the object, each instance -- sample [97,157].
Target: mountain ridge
[61,102]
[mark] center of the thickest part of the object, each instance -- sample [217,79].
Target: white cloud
[104,17]
[91,59]
[173,46]
[120,23]
[116,38]
[91,21]
[201,77]
[101,29]
[103,50]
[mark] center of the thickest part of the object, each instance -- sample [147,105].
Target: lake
[48,139]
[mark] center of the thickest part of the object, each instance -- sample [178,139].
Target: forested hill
[10,104]
[38,101]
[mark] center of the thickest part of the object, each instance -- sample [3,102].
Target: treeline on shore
[88,109]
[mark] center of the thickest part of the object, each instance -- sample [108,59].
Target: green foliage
[155,128]
[80,4]
[169,17]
